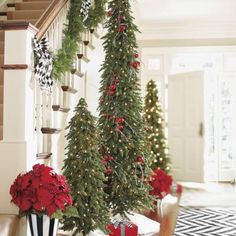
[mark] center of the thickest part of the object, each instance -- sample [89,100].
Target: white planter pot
[42,225]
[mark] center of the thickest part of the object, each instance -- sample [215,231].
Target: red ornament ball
[136,55]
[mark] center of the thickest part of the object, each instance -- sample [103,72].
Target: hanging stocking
[85,9]
[43,65]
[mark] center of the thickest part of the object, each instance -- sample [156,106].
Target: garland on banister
[96,14]
[63,59]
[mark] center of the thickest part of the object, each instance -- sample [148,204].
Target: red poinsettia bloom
[41,190]
[179,188]
[161,183]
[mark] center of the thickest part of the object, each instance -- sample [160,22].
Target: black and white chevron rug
[206,222]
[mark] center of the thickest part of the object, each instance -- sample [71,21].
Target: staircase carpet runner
[206,222]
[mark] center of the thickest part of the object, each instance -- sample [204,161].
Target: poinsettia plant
[42,191]
[161,183]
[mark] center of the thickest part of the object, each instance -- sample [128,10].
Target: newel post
[17,150]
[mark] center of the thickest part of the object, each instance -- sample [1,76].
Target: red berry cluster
[105,162]
[120,123]
[140,160]
[135,64]
[122,26]
[112,88]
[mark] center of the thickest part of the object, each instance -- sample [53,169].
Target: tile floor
[208,195]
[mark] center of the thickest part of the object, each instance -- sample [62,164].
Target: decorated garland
[63,59]
[96,14]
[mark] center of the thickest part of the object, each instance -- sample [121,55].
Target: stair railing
[50,108]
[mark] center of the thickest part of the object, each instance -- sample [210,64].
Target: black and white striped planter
[42,225]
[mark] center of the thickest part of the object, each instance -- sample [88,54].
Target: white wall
[94,76]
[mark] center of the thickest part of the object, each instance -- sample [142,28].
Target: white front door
[186,125]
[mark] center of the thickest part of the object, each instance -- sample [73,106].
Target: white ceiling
[165,11]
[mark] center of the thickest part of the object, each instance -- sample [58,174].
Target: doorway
[186,125]
[219,79]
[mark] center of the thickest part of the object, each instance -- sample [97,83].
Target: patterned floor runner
[206,222]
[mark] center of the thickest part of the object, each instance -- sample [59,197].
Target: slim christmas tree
[154,121]
[85,173]
[121,124]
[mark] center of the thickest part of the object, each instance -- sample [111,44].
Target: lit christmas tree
[85,173]
[155,129]
[121,123]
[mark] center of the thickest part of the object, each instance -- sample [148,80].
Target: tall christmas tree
[121,124]
[155,129]
[85,173]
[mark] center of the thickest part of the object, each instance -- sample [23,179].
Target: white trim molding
[187,30]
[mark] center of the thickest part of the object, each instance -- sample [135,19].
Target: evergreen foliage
[155,129]
[96,14]
[63,59]
[85,173]
[120,122]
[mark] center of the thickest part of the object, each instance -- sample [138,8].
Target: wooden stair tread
[95,33]
[47,130]
[24,14]
[3,13]
[60,108]
[83,57]
[32,21]
[32,5]
[68,89]
[43,156]
[77,72]
[88,43]
[10,4]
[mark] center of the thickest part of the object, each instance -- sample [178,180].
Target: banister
[48,16]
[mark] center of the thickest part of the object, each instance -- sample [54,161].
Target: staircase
[33,129]
[51,109]
[28,11]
